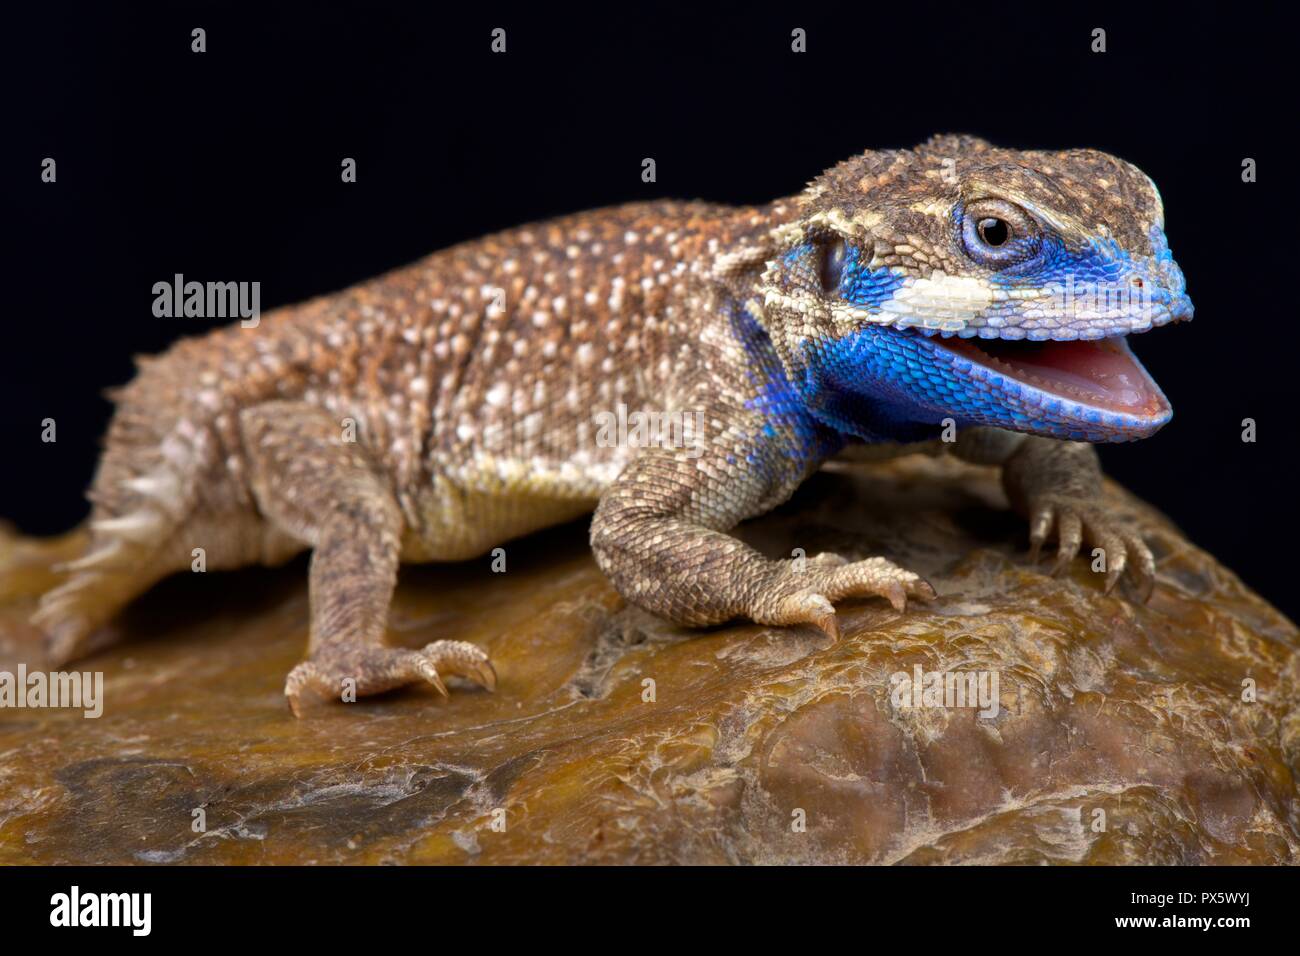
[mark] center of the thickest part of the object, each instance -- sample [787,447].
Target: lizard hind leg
[329,493]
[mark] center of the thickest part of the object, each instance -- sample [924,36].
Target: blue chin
[891,384]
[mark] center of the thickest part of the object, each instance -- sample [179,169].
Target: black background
[225,165]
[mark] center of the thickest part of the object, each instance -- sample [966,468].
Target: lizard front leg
[1057,486]
[659,534]
[327,492]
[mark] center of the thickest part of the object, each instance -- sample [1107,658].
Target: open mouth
[1100,373]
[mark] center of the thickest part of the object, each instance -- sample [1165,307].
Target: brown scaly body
[475,421]
[447,407]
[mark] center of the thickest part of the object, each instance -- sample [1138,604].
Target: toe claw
[301,676]
[895,595]
[1114,573]
[1146,589]
[462,659]
[484,674]
[822,616]
[923,589]
[430,673]
[1039,528]
[1143,569]
[1069,533]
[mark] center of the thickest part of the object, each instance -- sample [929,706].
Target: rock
[1123,734]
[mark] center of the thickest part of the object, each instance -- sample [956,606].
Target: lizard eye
[998,234]
[833,254]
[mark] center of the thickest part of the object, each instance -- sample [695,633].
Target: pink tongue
[1100,372]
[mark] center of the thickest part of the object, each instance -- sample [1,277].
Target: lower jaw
[880,380]
[1092,390]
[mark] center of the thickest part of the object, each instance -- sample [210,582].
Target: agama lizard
[445,408]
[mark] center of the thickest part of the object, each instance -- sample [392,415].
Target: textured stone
[1134,711]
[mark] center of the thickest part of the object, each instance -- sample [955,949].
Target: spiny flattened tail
[145,488]
[122,558]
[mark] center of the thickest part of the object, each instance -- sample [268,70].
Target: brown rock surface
[1104,706]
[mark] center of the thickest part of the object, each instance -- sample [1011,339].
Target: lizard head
[992,286]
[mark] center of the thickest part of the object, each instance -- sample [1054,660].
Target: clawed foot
[1073,521]
[373,670]
[805,590]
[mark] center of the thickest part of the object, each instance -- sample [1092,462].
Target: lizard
[444,408]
